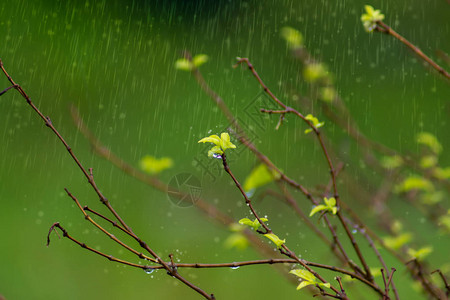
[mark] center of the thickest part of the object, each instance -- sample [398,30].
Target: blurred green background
[115,61]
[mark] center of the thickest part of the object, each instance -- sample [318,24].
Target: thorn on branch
[48,122]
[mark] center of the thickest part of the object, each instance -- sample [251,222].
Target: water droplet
[235,268]
[149,271]
[215,155]
[250,193]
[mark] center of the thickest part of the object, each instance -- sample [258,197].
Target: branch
[102,198]
[382,27]
[325,152]
[286,251]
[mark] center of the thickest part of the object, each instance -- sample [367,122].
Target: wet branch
[89,176]
[382,27]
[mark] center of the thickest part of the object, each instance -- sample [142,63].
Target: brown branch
[382,27]
[92,183]
[325,152]
[378,255]
[49,124]
[240,134]
[286,251]
[83,245]
[203,206]
[88,218]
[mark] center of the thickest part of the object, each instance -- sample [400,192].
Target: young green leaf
[444,221]
[292,36]
[421,253]
[260,176]
[153,165]
[221,144]
[308,278]
[430,141]
[236,240]
[371,17]
[199,60]
[253,224]
[441,173]
[391,162]
[327,94]
[275,239]
[315,122]
[313,72]
[414,183]
[398,241]
[184,64]
[428,161]
[329,206]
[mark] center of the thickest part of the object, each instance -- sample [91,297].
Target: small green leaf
[153,165]
[214,151]
[430,141]
[441,173]
[391,162]
[371,17]
[199,60]
[315,71]
[303,284]
[428,161]
[225,141]
[444,221]
[211,139]
[275,239]
[221,144]
[315,122]
[236,240]
[398,241]
[259,176]
[308,278]
[316,209]
[376,272]
[254,224]
[414,183]
[184,64]
[327,94]
[421,253]
[330,205]
[292,36]
[431,198]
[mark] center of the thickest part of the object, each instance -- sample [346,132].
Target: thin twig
[286,251]
[447,287]
[388,30]
[327,157]
[102,198]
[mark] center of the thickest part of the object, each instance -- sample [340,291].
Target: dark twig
[83,245]
[447,287]
[88,218]
[426,284]
[202,205]
[338,279]
[380,258]
[102,198]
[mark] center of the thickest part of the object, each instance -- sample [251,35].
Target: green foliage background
[115,61]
